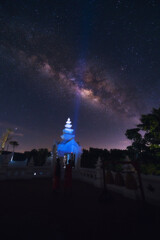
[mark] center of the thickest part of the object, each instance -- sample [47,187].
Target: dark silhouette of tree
[39,156]
[116,155]
[14,144]
[150,123]
[42,155]
[90,157]
[85,158]
[138,142]
[149,143]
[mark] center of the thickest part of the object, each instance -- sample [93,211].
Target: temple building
[68,149]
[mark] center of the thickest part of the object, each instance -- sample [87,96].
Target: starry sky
[97,62]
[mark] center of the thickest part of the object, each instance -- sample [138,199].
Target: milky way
[103,55]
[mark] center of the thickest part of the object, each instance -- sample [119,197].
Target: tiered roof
[68,131]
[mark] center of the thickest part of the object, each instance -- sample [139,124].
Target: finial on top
[68,123]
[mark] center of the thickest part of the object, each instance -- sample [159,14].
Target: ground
[29,210]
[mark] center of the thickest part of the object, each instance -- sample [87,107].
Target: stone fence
[150,183]
[27,172]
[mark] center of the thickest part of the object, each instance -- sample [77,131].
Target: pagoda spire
[68,123]
[68,132]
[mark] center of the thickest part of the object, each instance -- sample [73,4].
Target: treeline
[39,156]
[90,157]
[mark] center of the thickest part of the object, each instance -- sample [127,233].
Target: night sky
[97,62]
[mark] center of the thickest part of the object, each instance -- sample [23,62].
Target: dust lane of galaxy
[102,54]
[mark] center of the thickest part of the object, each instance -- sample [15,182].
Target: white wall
[151,184]
[27,172]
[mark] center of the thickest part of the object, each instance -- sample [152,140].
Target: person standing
[57,175]
[68,178]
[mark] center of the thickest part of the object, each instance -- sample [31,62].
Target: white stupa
[68,131]
[68,148]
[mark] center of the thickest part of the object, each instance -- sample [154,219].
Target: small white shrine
[68,148]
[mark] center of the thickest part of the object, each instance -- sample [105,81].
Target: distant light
[12,158]
[35,173]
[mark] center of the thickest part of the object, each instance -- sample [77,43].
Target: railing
[150,183]
[89,175]
[27,172]
[151,187]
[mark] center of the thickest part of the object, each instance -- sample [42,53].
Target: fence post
[99,173]
[137,167]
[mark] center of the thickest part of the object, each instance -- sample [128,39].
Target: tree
[90,158]
[39,156]
[138,143]
[14,144]
[42,155]
[7,142]
[117,155]
[150,123]
[133,134]
[149,144]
